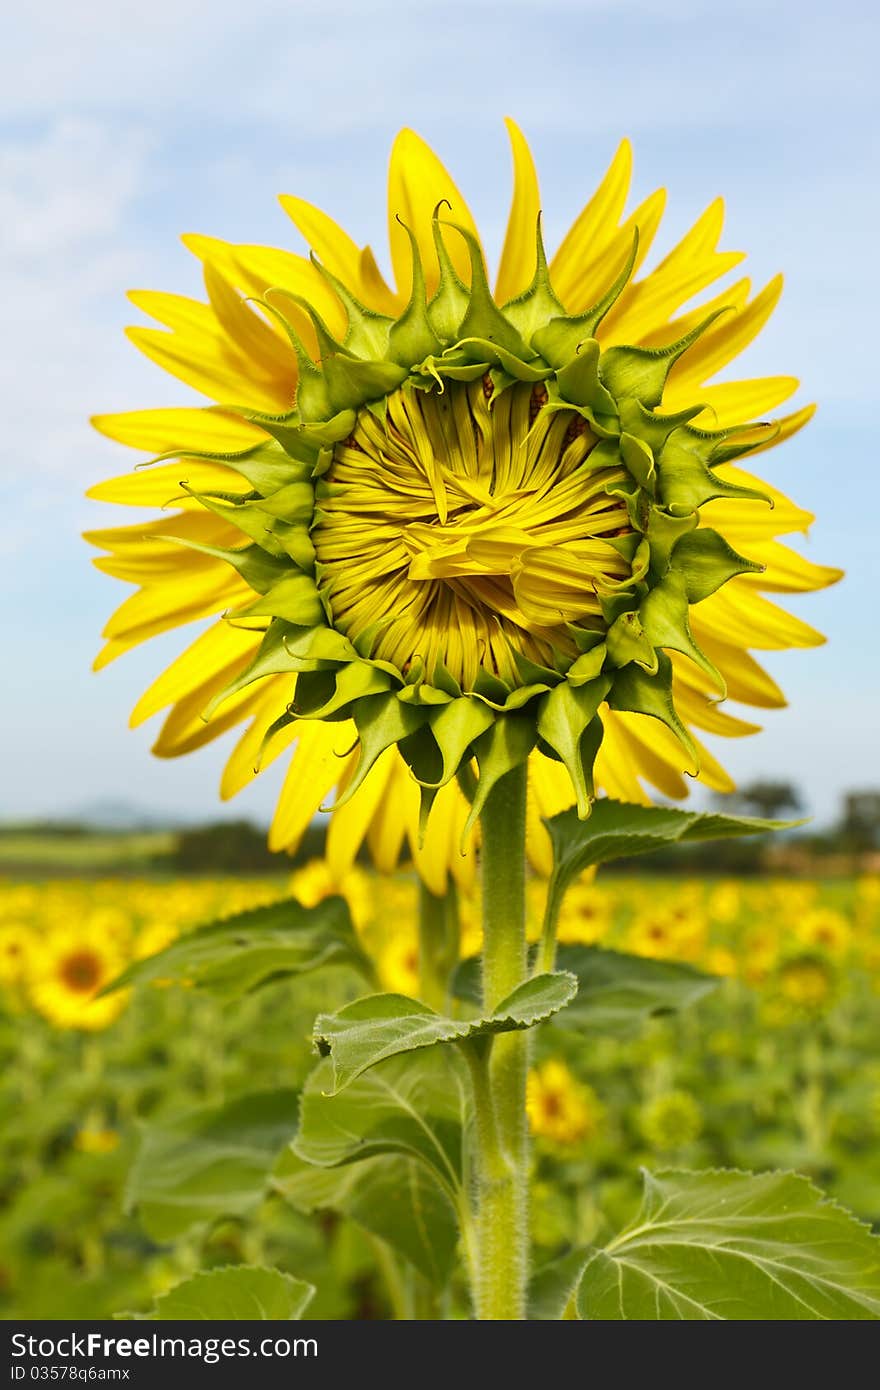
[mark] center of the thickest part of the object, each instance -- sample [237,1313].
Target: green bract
[663,469]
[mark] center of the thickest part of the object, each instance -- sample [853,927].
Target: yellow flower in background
[95,1140]
[803,986]
[398,962]
[585,917]
[671,1121]
[153,938]
[316,881]
[826,929]
[16,950]
[725,902]
[560,1108]
[456,552]
[72,966]
[720,960]
[667,933]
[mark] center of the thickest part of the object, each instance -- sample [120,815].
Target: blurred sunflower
[71,967]
[469,532]
[16,950]
[671,1121]
[560,1108]
[315,881]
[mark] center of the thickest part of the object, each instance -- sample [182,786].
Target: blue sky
[123,125]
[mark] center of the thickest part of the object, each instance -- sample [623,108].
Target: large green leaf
[210,1162]
[385,1025]
[552,1287]
[415,1106]
[236,955]
[388,1151]
[389,1195]
[618,993]
[238,1293]
[728,1245]
[616,829]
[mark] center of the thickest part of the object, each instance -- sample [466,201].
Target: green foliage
[617,830]
[235,956]
[388,1151]
[618,993]
[386,1025]
[554,1285]
[727,1245]
[392,1197]
[210,1162]
[240,1293]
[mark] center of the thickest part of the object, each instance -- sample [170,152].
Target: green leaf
[240,953]
[616,829]
[245,1293]
[211,1162]
[552,1287]
[387,1152]
[386,1025]
[411,1106]
[391,1196]
[739,1246]
[618,993]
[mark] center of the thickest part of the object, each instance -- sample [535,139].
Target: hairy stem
[499,1070]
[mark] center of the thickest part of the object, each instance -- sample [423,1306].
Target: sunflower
[16,950]
[441,530]
[71,968]
[561,1109]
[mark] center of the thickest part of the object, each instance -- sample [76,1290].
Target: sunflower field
[148,1130]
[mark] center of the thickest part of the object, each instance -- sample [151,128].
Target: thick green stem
[500,1072]
[438,944]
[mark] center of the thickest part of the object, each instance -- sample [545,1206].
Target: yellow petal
[261,344]
[314,770]
[594,226]
[600,271]
[787,572]
[735,297]
[737,614]
[699,705]
[711,773]
[746,680]
[156,539]
[222,649]
[201,429]
[355,266]
[256,269]
[185,730]
[743,520]
[614,772]
[387,830]
[161,486]
[208,366]
[159,609]
[725,340]
[784,428]
[417,182]
[252,754]
[734,402]
[689,267]
[654,752]
[517,267]
[349,823]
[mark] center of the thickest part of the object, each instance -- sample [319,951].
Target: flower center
[81,971]
[482,529]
